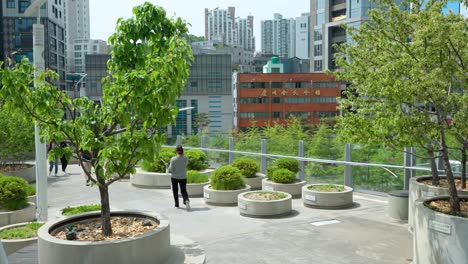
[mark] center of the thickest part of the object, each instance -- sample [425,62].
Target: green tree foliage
[247,166]
[402,65]
[227,178]
[196,160]
[13,193]
[284,176]
[148,70]
[202,121]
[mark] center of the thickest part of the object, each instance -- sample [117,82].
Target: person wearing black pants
[178,169]
[64,159]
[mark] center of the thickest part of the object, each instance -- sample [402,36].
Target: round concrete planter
[267,209]
[418,190]
[438,237]
[330,200]
[29,174]
[13,245]
[151,247]
[292,188]
[32,199]
[146,179]
[221,197]
[196,189]
[255,182]
[27,214]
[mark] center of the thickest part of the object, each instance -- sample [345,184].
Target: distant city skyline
[104,13]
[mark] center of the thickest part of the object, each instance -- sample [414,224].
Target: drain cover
[325,222]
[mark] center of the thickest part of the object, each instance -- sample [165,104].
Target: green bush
[248,167]
[196,160]
[13,193]
[270,171]
[31,190]
[288,163]
[196,177]
[283,176]
[80,209]
[157,165]
[227,178]
[21,232]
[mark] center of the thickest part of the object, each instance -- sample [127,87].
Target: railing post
[301,162]
[178,140]
[348,177]
[231,149]
[263,164]
[413,161]
[203,143]
[407,163]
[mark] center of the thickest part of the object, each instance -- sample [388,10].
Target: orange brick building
[273,97]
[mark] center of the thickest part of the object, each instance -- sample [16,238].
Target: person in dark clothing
[63,159]
[178,169]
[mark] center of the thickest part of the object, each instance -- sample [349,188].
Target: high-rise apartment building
[303,36]
[220,25]
[279,36]
[244,33]
[17,37]
[77,26]
[83,47]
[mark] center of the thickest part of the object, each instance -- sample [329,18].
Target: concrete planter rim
[257,175]
[19,210]
[44,231]
[306,188]
[208,187]
[199,184]
[296,182]
[242,196]
[18,240]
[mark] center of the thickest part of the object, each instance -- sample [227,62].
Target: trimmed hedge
[157,165]
[13,193]
[227,178]
[196,177]
[288,163]
[196,160]
[283,176]
[248,167]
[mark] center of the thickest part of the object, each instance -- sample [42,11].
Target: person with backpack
[178,169]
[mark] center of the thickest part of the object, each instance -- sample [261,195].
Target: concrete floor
[362,234]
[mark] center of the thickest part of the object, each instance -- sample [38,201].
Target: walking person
[65,156]
[52,150]
[87,166]
[178,169]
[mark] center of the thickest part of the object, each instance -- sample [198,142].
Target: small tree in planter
[250,170]
[196,160]
[226,183]
[148,70]
[14,198]
[282,177]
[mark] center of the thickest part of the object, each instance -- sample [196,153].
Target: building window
[317,35]
[326,85]
[254,85]
[318,50]
[276,100]
[254,100]
[77,54]
[11,3]
[298,114]
[276,85]
[318,65]
[277,114]
[297,85]
[23,5]
[319,114]
[297,100]
[254,115]
[77,47]
[325,99]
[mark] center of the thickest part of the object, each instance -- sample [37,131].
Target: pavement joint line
[369,199]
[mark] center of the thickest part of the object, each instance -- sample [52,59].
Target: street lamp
[41,153]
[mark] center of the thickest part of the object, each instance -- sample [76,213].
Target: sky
[104,13]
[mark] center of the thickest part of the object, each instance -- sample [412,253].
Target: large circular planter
[267,209]
[29,173]
[438,237]
[255,182]
[146,179]
[151,247]
[328,200]
[13,245]
[292,188]
[419,190]
[218,197]
[196,189]
[32,199]
[27,214]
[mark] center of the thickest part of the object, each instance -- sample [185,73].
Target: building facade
[278,36]
[208,90]
[220,25]
[303,36]
[77,26]
[274,97]
[83,47]
[244,33]
[17,37]
[96,70]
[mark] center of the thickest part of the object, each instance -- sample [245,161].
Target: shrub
[21,232]
[283,176]
[196,177]
[288,163]
[13,194]
[31,190]
[80,209]
[157,165]
[248,167]
[227,178]
[196,160]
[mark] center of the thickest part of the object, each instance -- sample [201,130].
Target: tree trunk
[454,199]
[105,207]
[463,167]
[434,171]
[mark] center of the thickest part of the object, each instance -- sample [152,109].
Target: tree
[202,121]
[402,65]
[148,70]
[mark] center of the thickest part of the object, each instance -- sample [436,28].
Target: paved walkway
[362,234]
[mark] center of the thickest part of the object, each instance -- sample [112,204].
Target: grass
[21,232]
[80,209]
[327,188]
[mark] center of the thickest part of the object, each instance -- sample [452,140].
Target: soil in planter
[122,227]
[265,196]
[444,183]
[327,188]
[14,167]
[443,206]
